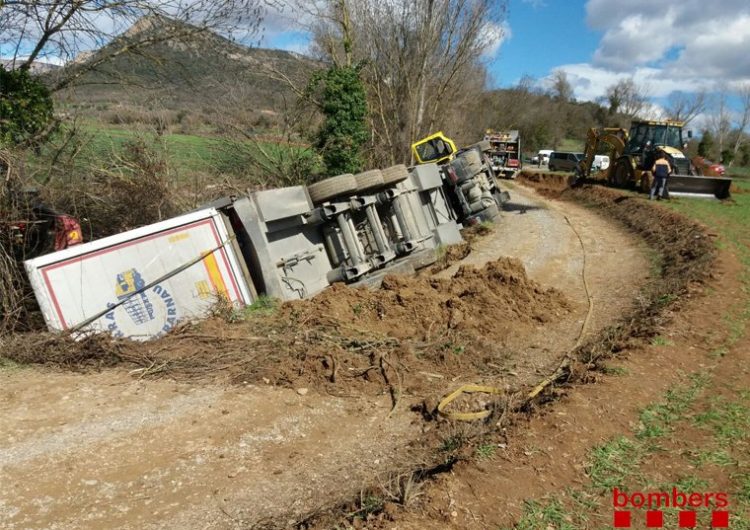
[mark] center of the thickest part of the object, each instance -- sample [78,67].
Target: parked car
[560,161]
[708,168]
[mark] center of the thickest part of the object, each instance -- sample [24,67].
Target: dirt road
[109,450]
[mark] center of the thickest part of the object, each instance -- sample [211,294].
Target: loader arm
[616,138]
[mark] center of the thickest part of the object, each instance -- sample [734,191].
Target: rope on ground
[565,363]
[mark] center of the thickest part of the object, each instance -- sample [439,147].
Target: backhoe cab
[633,154]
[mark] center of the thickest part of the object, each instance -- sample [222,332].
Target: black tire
[394,174]
[331,188]
[369,180]
[622,176]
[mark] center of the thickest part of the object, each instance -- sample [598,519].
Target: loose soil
[150,435]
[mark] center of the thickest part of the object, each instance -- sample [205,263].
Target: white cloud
[590,82]
[686,38]
[686,45]
[494,35]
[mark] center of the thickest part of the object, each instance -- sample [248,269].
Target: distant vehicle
[601,162]
[543,155]
[561,161]
[704,166]
[504,152]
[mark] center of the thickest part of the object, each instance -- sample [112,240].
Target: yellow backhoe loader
[632,155]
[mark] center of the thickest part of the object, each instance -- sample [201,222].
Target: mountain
[189,72]
[37,67]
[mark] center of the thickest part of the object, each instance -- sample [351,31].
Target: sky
[664,45]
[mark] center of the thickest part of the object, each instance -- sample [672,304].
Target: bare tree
[720,120]
[685,107]
[561,88]
[60,29]
[743,92]
[627,97]
[421,58]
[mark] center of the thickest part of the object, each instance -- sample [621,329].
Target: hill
[192,81]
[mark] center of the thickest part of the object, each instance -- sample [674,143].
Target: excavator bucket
[699,186]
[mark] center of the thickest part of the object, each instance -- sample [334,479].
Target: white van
[601,162]
[543,155]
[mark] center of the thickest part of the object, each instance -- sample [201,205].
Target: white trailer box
[140,283]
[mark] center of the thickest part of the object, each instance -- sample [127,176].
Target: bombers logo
[139,306]
[655,502]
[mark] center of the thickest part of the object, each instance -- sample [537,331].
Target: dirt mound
[450,255]
[344,339]
[550,181]
[489,302]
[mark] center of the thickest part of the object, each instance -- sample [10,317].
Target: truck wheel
[473,160]
[369,180]
[395,174]
[332,187]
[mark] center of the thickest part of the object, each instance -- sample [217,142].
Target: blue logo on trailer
[139,306]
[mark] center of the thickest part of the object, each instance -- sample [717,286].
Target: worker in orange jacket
[661,171]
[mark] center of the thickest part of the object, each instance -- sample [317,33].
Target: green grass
[659,418]
[661,341]
[571,145]
[486,451]
[729,421]
[613,462]
[9,365]
[614,370]
[264,305]
[741,172]
[545,516]
[100,145]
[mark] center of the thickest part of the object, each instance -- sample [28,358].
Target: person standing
[661,171]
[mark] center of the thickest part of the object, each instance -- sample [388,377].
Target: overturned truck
[287,243]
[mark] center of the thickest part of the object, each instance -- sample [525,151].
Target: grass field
[100,146]
[571,145]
